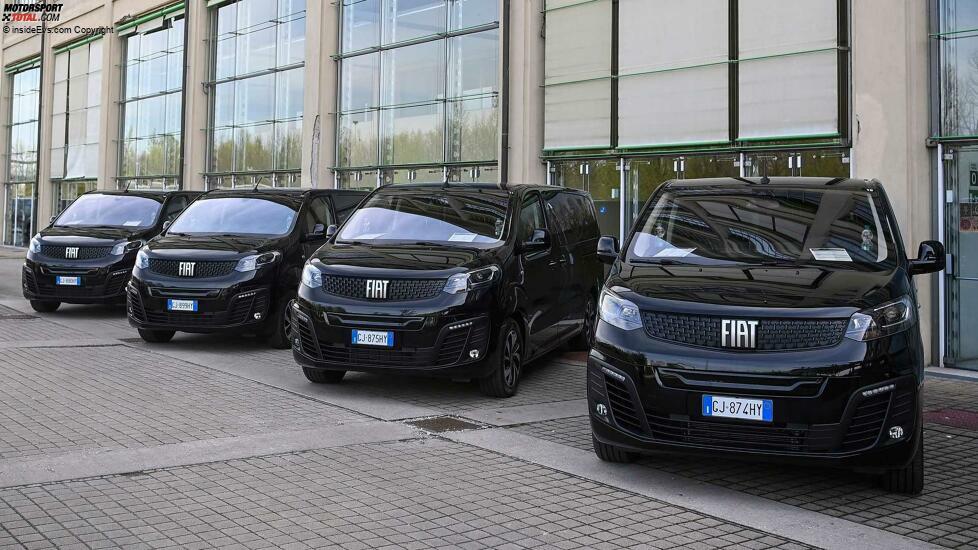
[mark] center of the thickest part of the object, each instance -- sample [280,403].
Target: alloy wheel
[512,358]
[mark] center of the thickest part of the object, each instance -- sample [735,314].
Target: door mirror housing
[607,249]
[539,240]
[318,232]
[331,230]
[931,258]
[51,221]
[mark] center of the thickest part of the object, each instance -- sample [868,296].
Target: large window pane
[76,112]
[474,62]
[358,134]
[959,72]
[687,33]
[360,82]
[572,54]
[578,115]
[361,24]
[790,95]
[414,18]
[19,214]
[414,74]
[474,125]
[473,13]
[414,135]
[772,27]
[678,106]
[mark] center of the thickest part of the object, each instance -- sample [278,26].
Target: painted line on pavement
[526,414]
[758,513]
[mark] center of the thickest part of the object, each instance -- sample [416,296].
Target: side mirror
[166,224]
[315,234]
[607,249]
[539,240]
[51,221]
[931,258]
[331,230]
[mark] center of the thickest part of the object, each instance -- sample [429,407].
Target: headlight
[125,248]
[619,312]
[35,245]
[880,321]
[142,260]
[312,277]
[478,278]
[253,262]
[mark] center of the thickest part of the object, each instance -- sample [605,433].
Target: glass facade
[76,110]
[257,93]
[152,105]
[21,165]
[419,91]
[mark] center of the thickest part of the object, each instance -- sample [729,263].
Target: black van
[86,255]
[767,318]
[466,281]
[232,261]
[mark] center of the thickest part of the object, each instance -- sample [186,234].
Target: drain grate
[955,418]
[441,424]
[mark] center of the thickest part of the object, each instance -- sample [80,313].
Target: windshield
[96,210]
[235,216]
[769,226]
[469,218]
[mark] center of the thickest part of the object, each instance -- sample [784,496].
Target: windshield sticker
[674,252]
[462,237]
[831,254]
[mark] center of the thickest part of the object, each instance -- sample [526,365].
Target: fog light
[474,354]
[601,409]
[258,316]
[896,432]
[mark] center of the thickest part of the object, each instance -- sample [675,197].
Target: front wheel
[156,336]
[45,306]
[585,339]
[280,325]
[319,376]
[507,363]
[908,480]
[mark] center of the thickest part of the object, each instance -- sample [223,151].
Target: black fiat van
[231,262]
[86,255]
[466,281]
[766,318]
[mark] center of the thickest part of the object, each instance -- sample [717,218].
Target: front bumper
[105,283]
[839,415]
[439,344]
[219,309]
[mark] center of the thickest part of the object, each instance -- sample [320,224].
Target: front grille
[84,252]
[772,334]
[450,349]
[202,269]
[242,310]
[30,285]
[745,437]
[397,289]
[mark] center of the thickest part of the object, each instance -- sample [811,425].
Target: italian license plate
[738,407]
[382,338]
[67,281]
[181,305]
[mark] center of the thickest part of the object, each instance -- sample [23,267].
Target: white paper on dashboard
[673,252]
[831,254]
[462,237]
[131,223]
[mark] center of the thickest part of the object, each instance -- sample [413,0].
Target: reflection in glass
[19,214]
[358,133]
[413,19]
[361,24]
[414,74]
[473,13]
[414,135]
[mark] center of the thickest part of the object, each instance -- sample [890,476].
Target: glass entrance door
[599,178]
[961,238]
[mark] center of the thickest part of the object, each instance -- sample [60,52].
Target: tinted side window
[575,214]
[318,213]
[345,204]
[531,217]
[174,206]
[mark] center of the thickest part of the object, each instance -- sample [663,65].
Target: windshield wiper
[660,261]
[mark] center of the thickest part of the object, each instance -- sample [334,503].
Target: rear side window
[531,217]
[318,213]
[345,204]
[174,206]
[575,214]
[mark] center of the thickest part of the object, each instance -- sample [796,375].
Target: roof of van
[838,183]
[473,186]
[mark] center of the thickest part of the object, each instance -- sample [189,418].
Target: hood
[418,260]
[91,236]
[760,287]
[208,246]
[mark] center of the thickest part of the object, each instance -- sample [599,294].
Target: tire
[610,453]
[156,336]
[507,361]
[45,306]
[585,339]
[279,327]
[318,376]
[908,480]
